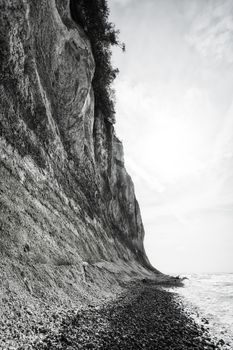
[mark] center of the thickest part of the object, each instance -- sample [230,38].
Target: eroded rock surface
[65,196]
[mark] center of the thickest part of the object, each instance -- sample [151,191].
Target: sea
[210,296]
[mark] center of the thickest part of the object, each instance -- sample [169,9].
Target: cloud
[212,30]
[224,141]
[122,3]
[175,116]
[137,171]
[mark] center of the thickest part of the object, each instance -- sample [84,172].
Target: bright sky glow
[175,117]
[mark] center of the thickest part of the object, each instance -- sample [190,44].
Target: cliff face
[65,196]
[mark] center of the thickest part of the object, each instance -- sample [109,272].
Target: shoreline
[144,316]
[137,314]
[207,305]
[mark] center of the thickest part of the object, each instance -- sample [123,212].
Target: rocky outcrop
[66,197]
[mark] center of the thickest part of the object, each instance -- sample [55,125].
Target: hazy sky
[175,117]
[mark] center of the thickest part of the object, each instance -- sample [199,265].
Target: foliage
[93,15]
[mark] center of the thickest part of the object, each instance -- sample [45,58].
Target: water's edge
[209,298]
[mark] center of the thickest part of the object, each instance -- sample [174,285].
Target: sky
[174,104]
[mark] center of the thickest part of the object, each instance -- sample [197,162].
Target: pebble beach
[144,317]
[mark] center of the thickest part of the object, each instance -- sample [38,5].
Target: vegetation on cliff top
[92,16]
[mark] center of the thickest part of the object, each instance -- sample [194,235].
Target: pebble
[143,317]
[147,317]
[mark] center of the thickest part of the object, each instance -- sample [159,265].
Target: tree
[92,16]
